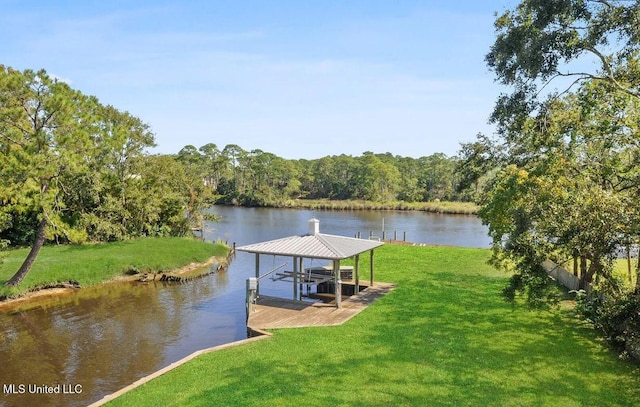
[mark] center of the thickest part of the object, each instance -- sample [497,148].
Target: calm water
[104,339]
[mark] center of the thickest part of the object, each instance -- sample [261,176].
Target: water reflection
[105,338]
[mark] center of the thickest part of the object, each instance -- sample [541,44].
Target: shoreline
[441,207]
[65,288]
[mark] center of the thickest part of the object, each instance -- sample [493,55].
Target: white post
[295,278]
[372,268]
[337,282]
[257,274]
[301,268]
[357,288]
[252,286]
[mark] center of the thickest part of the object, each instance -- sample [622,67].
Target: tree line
[562,174]
[259,178]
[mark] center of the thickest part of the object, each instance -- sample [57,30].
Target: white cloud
[60,78]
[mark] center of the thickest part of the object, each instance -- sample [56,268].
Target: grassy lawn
[444,336]
[93,264]
[621,269]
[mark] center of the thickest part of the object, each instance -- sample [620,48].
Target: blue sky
[300,79]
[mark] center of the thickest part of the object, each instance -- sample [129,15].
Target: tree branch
[609,71]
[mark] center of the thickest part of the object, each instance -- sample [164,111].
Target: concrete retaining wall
[562,275]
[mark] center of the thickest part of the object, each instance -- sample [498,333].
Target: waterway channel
[98,340]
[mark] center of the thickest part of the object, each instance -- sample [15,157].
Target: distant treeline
[259,178]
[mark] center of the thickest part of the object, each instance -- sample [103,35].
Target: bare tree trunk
[31,257]
[583,271]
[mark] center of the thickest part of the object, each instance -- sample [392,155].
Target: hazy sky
[300,79]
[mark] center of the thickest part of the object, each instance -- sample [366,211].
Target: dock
[275,313]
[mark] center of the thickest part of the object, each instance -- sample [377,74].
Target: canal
[101,339]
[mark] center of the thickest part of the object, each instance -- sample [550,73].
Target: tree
[70,168]
[215,165]
[106,193]
[477,159]
[541,43]
[571,188]
[378,180]
[570,176]
[46,131]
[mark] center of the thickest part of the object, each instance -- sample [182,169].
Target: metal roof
[316,246]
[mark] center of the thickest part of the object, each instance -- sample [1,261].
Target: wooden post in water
[395,235]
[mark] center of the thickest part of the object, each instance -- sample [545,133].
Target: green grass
[93,264]
[444,336]
[621,270]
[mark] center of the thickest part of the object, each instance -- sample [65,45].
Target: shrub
[616,312]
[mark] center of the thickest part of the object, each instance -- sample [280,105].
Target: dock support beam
[372,268]
[258,274]
[295,278]
[357,270]
[337,282]
[301,268]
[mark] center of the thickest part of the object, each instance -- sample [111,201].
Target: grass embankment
[462,208]
[93,264]
[444,336]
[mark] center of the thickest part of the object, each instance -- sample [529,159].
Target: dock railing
[383,236]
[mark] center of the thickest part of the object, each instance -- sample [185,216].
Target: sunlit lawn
[444,336]
[92,264]
[621,269]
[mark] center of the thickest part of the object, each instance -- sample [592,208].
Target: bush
[616,313]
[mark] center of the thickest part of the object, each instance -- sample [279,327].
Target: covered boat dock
[316,245]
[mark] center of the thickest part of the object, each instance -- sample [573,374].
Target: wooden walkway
[274,313]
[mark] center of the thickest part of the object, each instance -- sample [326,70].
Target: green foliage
[45,132]
[73,170]
[568,186]
[258,178]
[98,185]
[614,311]
[538,40]
[569,182]
[477,162]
